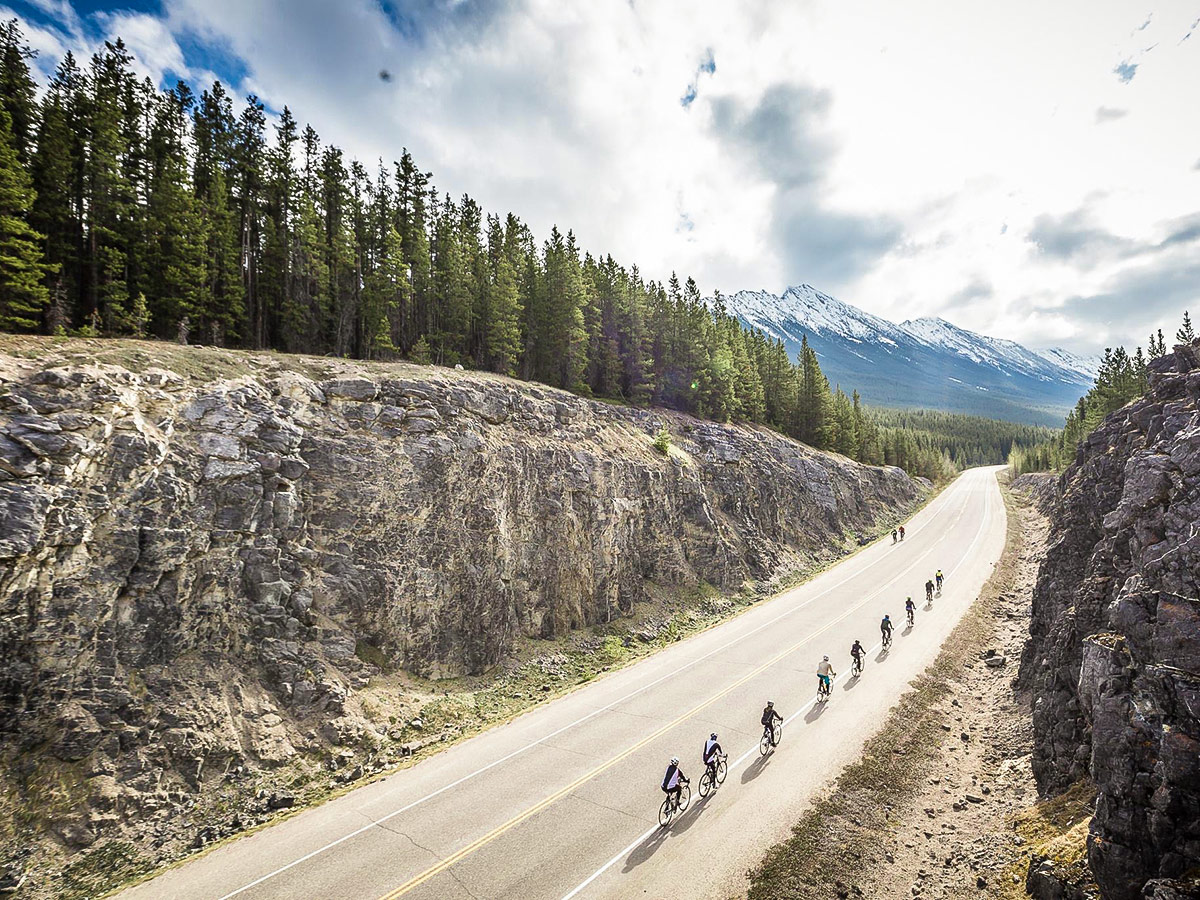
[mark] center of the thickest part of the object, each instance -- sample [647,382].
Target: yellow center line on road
[417,880]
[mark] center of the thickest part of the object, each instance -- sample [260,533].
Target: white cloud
[945,135]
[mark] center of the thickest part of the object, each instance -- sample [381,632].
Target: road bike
[887,639]
[675,804]
[856,667]
[714,775]
[911,618]
[824,688]
[771,736]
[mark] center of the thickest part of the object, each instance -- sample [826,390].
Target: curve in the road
[578,889]
[487,838]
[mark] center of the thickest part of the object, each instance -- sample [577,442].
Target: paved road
[563,801]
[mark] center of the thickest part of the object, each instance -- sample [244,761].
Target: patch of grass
[94,871]
[1056,828]
[831,839]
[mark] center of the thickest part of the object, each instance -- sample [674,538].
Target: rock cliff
[198,574]
[1114,655]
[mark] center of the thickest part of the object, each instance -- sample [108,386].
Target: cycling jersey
[711,749]
[769,715]
[671,779]
[856,651]
[909,605]
[885,625]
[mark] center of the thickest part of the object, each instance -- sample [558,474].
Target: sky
[1028,170]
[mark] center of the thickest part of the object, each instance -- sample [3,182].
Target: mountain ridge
[927,361]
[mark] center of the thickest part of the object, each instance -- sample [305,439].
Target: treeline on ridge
[126,210]
[1120,379]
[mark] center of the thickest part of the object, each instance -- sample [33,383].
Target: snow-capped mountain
[921,362]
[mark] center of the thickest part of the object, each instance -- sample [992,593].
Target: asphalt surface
[563,801]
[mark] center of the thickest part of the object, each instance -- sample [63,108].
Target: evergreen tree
[18,93]
[176,233]
[23,296]
[1185,334]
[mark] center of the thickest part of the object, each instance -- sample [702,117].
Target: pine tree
[1185,334]
[1157,345]
[176,234]
[18,93]
[109,198]
[23,296]
[57,171]
[386,291]
[502,328]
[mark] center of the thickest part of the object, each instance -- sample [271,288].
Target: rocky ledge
[196,576]
[1114,655]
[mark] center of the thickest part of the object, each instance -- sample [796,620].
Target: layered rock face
[186,567]
[1114,656]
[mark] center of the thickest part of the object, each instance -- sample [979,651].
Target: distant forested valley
[129,210]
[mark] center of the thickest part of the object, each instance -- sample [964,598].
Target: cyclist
[885,627]
[857,653]
[929,591]
[769,717]
[901,532]
[673,781]
[824,673]
[910,608]
[712,752]
[939,578]
[894,532]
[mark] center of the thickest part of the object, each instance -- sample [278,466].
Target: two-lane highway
[563,801]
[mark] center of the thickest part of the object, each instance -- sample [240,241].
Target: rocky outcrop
[1114,655]
[196,576]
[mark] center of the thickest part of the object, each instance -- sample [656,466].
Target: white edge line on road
[567,727]
[741,759]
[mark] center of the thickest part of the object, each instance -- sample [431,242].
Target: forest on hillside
[129,210]
[1120,379]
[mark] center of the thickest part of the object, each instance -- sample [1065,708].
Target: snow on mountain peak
[805,309]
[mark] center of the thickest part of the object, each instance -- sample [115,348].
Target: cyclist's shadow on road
[756,768]
[815,713]
[883,655]
[646,849]
[690,816]
[851,683]
[907,630]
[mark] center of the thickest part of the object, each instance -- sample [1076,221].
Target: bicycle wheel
[764,744]
[685,797]
[777,734]
[665,812]
[706,783]
[722,771]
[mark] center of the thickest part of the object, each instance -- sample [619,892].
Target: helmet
[826,659]
[674,760]
[770,703]
[886,616]
[713,735]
